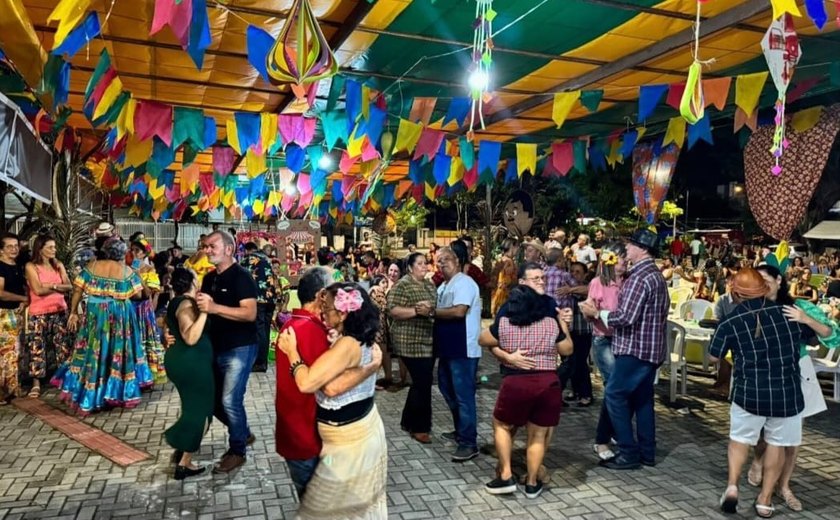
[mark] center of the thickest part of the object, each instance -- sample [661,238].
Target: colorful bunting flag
[649,97]
[781,7]
[79,37]
[675,94]
[408,134]
[153,119]
[467,152]
[223,158]
[748,89]
[806,119]
[591,99]
[422,109]
[562,157]
[675,132]
[259,43]
[716,91]
[68,14]
[428,144]
[489,154]
[700,130]
[188,127]
[526,158]
[177,15]
[200,38]
[458,110]
[563,104]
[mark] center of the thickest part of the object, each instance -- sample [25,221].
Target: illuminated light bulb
[479,80]
[290,189]
[325,162]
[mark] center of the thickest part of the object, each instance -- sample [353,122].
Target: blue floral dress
[108,365]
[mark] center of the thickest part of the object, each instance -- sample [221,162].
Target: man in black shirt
[229,296]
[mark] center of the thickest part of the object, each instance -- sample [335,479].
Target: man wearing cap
[639,349]
[764,339]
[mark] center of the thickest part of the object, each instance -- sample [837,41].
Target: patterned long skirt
[150,336]
[48,344]
[10,324]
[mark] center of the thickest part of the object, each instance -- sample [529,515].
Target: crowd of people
[126,318]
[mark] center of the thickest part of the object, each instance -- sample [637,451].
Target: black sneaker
[463,454]
[450,436]
[535,490]
[497,486]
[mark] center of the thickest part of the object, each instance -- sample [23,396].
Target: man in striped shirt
[764,339]
[639,349]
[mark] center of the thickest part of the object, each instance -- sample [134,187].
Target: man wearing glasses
[229,296]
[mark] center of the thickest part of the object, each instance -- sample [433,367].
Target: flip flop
[791,501]
[762,510]
[729,503]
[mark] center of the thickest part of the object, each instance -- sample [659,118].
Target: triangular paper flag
[422,109]
[748,89]
[742,119]
[429,143]
[563,104]
[716,91]
[591,99]
[408,134]
[649,97]
[562,157]
[526,158]
[467,152]
[489,154]
[805,120]
[153,119]
[68,14]
[675,132]
[456,171]
[700,130]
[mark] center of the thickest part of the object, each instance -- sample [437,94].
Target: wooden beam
[662,47]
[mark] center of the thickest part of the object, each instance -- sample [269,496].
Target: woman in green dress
[189,365]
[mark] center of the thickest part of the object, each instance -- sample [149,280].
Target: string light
[479,80]
[325,162]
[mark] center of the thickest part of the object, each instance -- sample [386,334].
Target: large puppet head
[519,213]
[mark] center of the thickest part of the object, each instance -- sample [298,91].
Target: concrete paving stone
[46,475]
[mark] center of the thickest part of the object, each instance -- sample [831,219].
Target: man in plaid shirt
[639,348]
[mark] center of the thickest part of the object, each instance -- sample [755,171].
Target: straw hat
[105,229]
[536,244]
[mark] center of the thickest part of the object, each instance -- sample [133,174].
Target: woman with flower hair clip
[603,294]
[349,481]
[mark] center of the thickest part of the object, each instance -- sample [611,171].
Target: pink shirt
[53,302]
[605,299]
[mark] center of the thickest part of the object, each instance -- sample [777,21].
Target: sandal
[584,402]
[35,393]
[791,501]
[606,454]
[729,502]
[755,475]
[762,510]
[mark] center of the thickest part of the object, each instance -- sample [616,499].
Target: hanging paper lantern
[301,55]
[781,49]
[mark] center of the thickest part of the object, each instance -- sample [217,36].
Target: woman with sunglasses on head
[48,342]
[350,479]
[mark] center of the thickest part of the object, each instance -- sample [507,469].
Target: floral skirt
[10,323]
[150,336]
[48,344]
[108,366]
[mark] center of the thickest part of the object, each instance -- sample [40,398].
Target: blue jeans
[232,368]
[602,352]
[456,380]
[604,359]
[301,472]
[629,393]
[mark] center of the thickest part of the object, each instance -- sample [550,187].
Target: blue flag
[259,44]
[80,36]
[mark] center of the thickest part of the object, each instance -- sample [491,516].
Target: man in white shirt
[583,252]
[457,326]
[557,240]
[695,246]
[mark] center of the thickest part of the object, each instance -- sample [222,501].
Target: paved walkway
[44,474]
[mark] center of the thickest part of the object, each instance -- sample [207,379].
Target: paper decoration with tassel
[780,46]
[562,107]
[422,109]
[692,105]
[675,132]
[79,37]
[68,14]
[562,157]
[649,97]
[807,119]
[526,158]
[716,91]
[301,55]
[748,89]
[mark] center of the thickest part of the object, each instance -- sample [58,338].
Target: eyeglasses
[536,279]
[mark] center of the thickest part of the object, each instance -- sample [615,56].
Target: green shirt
[814,312]
[413,337]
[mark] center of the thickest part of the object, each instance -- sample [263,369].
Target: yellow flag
[365,102]
[748,89]
[125,121]
[68,14]
[640,132]
[806,119]
[563,103]
[355,144]
[156,191]
[781,7]
[268,130]
[430,191]
[112,91]
[675,132]
[615,154]
[258,206]
[232,135]
[254,164]
[456,171]
[137,152]
[408,134]
[526,158]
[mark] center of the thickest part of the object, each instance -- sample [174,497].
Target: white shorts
[745,428]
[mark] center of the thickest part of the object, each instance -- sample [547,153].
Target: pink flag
[205,180]
[428,144]
[369,152]
[153,119]
[346,162]
[177,15]
[223,157]
[801,88]
[173,193]
[296,129]
[471,176]
[304,187]
[562,157]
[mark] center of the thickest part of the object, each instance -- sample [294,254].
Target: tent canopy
[825,230]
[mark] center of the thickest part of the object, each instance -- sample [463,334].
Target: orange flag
[741,119]
[716,91]
[422,108]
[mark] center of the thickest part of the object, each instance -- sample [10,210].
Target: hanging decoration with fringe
[301,55]
[482,59]
[781,49]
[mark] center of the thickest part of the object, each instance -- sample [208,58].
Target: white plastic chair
[830,363]
[675,336]
[699,309]
[679,296]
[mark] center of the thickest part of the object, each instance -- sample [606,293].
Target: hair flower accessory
[609,258]
[348,301]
